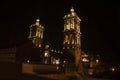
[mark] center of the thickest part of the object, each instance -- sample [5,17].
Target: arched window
[73,40]
[66,39]
[65,25]
[72,23]
[68,24]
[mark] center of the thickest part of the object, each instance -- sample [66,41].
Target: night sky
[99,24]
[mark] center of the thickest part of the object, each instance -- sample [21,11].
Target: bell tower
[36,33]
[71,33]
[72,42]
[71,30]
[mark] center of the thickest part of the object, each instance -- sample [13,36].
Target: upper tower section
[72,21]
[71,30]
[36,33]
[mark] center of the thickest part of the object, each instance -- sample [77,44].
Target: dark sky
[99,23]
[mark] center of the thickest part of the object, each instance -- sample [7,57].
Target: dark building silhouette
[28,51]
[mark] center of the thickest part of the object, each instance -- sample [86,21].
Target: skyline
[98,24]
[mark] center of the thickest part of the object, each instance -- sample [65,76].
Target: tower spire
[37,20]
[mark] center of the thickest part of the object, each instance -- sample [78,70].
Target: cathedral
[71,42]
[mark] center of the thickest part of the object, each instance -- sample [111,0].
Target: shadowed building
[32,49]
[9,67]
[8,55]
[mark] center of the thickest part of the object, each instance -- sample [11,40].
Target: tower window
[66,38]
[68,24]
[72,40]
[72,23]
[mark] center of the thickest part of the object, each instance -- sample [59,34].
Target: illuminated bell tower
[36,33]
[72,41]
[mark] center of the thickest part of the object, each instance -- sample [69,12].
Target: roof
[72,14]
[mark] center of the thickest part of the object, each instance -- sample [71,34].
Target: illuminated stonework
[71,30]
[36,33]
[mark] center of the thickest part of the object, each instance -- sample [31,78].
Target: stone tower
[72,41]
[71,32]
[36,33]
